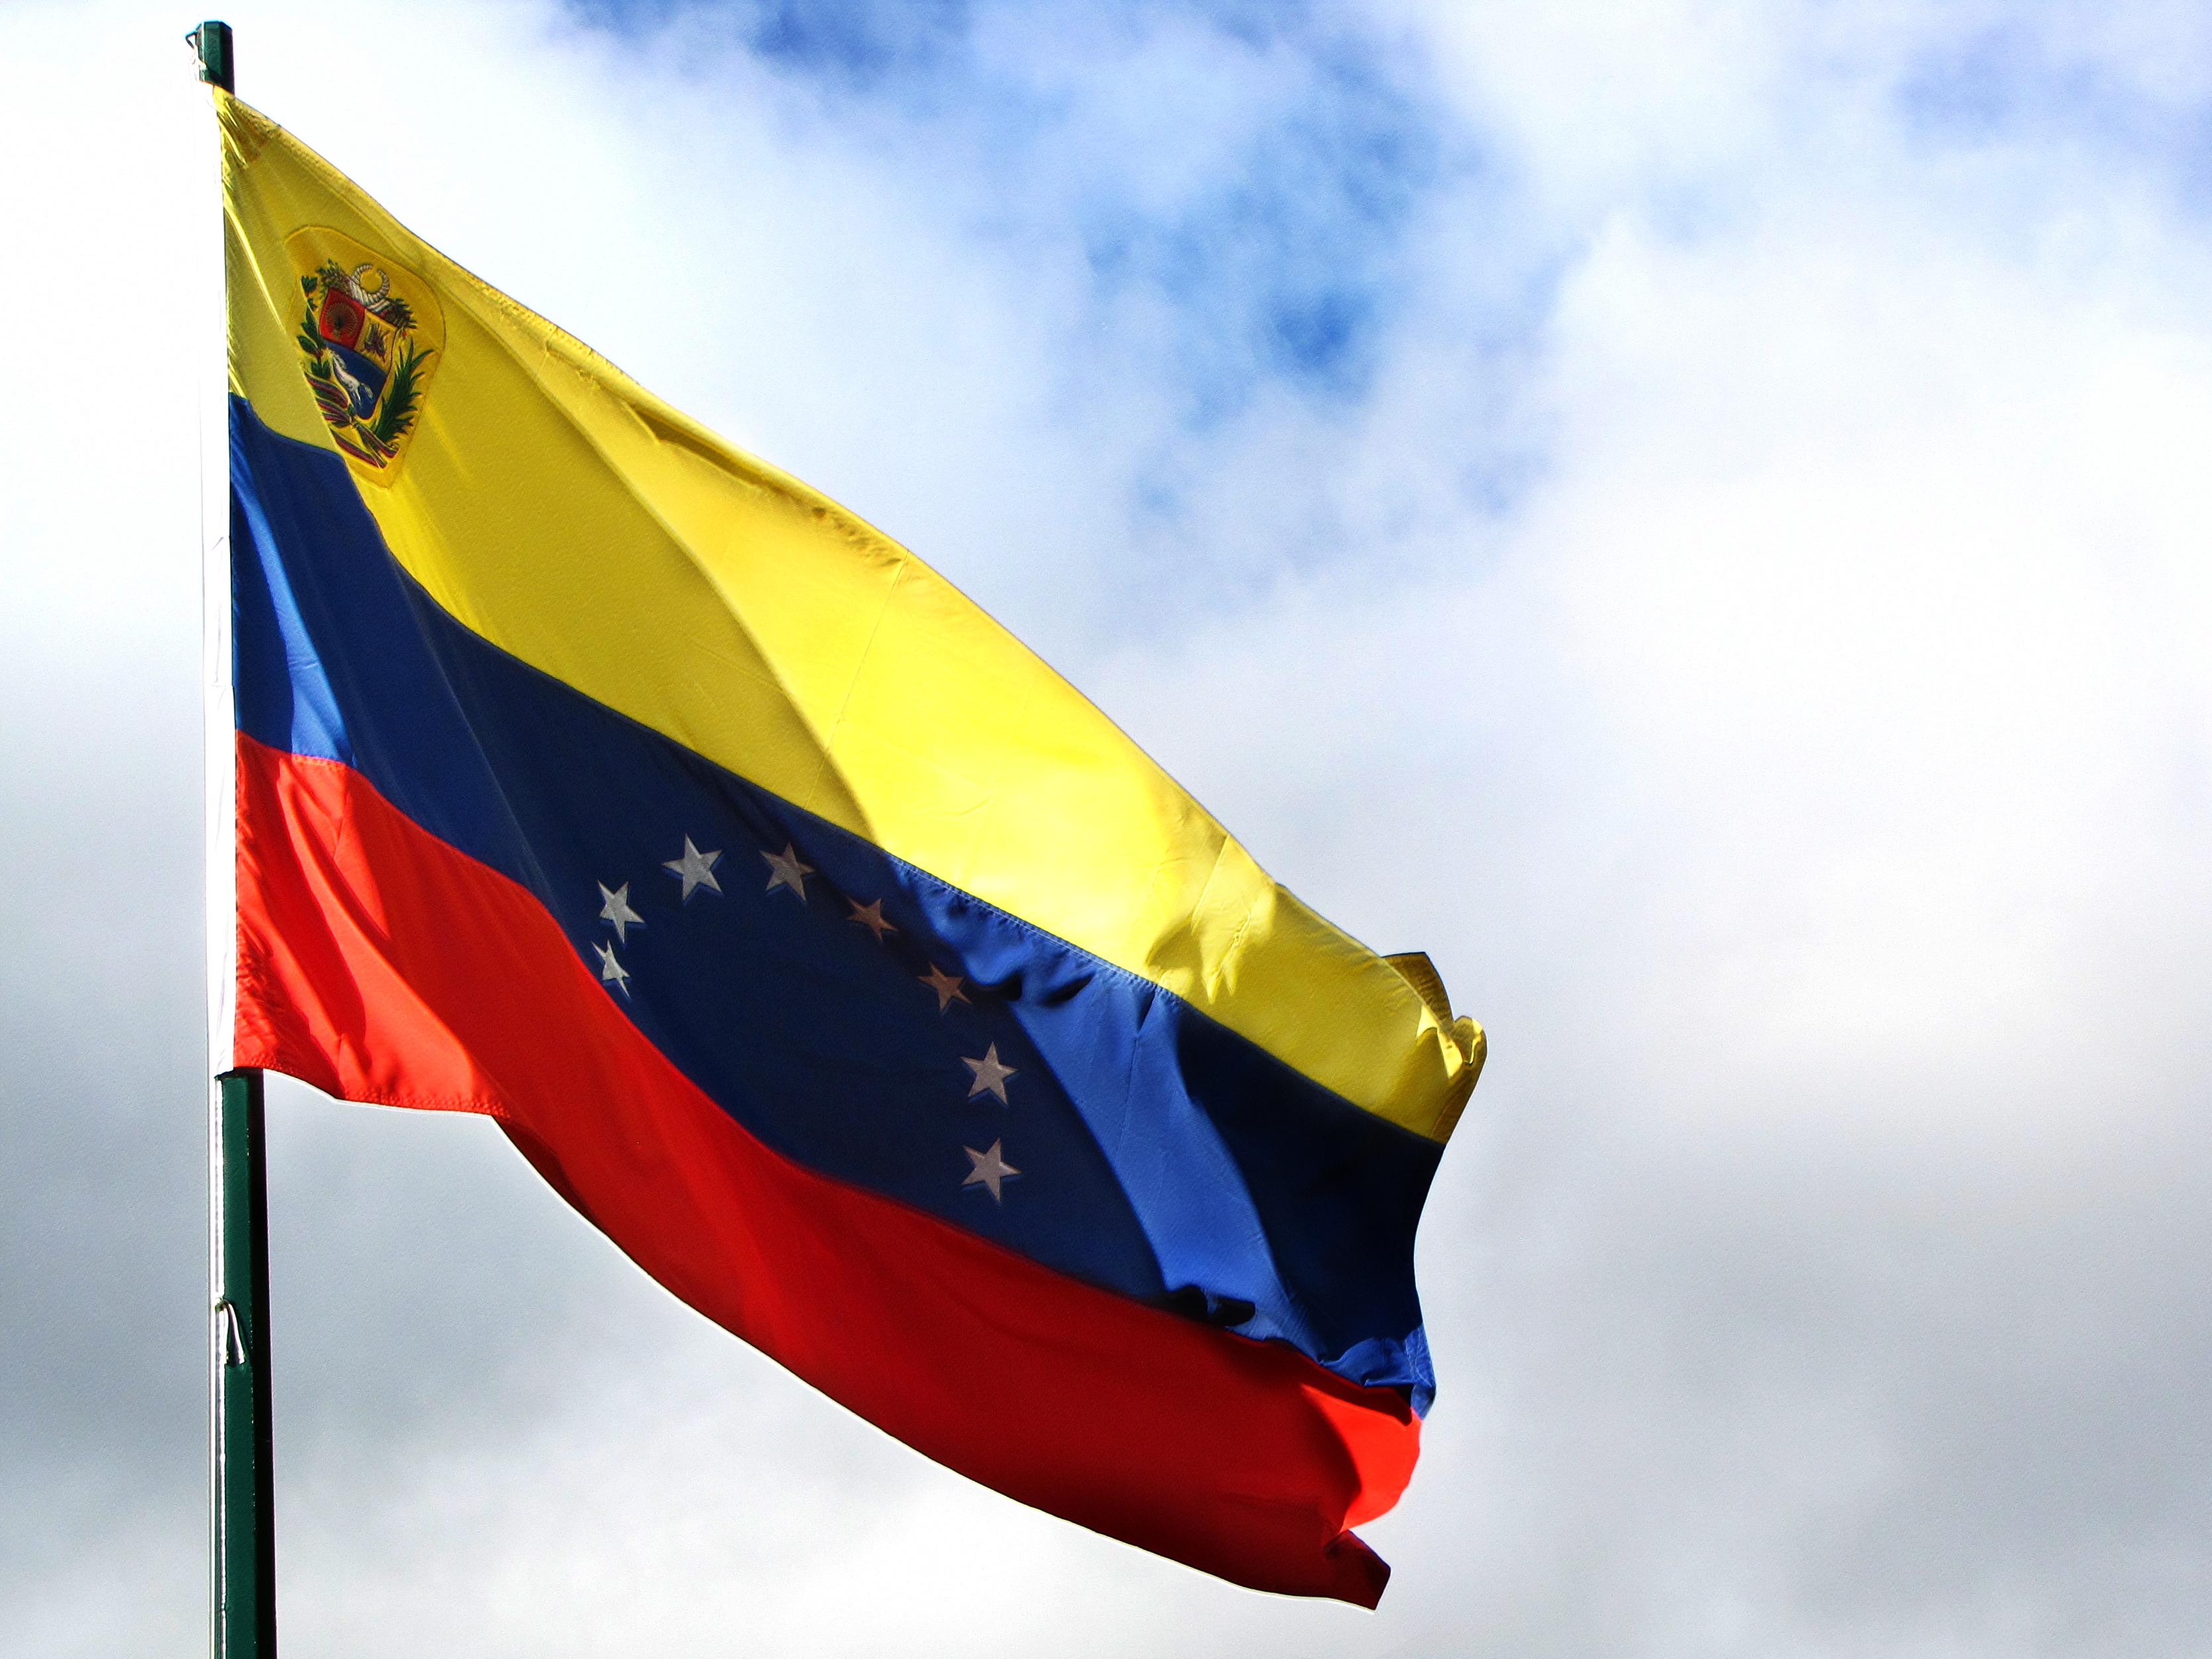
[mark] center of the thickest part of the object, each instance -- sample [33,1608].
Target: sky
[1695,514]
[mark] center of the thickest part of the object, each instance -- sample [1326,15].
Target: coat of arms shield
[370,333]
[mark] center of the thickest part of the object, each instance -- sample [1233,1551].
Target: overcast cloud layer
[1696,514]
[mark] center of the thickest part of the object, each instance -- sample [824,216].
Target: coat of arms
[369,334]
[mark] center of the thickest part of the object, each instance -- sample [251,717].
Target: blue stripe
[1160,1155]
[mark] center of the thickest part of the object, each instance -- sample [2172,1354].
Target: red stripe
[380,963]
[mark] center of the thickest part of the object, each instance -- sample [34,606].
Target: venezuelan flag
[857,977]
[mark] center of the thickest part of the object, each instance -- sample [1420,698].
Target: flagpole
[245,1498]
[241,1492]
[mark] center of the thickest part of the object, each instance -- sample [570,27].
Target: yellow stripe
[572,518]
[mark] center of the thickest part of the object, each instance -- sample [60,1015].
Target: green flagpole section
[245,1506]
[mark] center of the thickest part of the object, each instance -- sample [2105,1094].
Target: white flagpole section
[221,795]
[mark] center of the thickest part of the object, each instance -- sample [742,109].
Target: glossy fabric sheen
[379,963]
[558,510]
[1160,1155]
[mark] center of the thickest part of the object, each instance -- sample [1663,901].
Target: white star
[787,872]
[946,986]
[989,1074]
[696,868]
[990,1169]
[870,917]
[612,972]
[616,912]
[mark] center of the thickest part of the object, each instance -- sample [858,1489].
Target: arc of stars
[987,1167]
